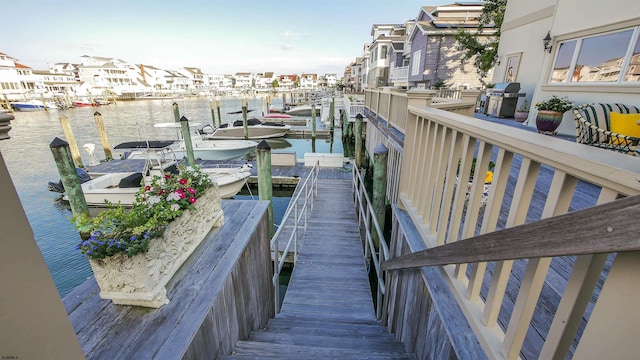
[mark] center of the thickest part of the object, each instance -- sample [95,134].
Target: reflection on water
[30,163]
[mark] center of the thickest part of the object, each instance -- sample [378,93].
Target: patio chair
[593,127]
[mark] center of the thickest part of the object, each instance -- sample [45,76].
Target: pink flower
[147,188]
[192,199]
[182,195]
[183,181]
[191,191]
[167,176]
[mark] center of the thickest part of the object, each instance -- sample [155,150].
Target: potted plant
[522,112]
[134,252]
[550,113]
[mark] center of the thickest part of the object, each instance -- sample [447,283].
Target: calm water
[30,163]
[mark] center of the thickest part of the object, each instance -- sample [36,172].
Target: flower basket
[141,279]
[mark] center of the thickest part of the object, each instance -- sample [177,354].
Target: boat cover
[150,144]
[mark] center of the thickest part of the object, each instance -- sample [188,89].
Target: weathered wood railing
[543,306]
[298,212]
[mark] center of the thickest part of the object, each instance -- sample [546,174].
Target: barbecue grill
[503,99]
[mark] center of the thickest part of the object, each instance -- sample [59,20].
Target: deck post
[265,188]
[244,119]
[69,176]
[176,112]
[73,146]
[358,141]
[186,136]
[103,136]
[218,109]
[213,112]
[313,121]
[380,154]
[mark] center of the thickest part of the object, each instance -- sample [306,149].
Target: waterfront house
[593,61]
[287,82]
[308,81]
[199,80]
[12,77]
[243,80]
[383,36]
[432,46]
[103,73]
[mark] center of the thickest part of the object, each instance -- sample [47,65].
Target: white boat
[121,187]
[256,130]
[33,105]
[303,110]
[209,149]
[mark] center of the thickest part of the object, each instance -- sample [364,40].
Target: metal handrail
[310,190]
[365,211]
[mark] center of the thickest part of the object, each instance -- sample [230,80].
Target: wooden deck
[328,309]
[218,296]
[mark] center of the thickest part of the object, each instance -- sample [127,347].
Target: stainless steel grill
[503,99]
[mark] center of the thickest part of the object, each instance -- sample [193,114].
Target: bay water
[31,166]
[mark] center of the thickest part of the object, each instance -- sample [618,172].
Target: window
[612,57]
[415,64]
[383,51]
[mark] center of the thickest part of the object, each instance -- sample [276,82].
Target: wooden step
[327,341]
[262,350]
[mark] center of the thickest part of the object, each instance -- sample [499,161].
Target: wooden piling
[218,109]
[213,112]
[44,103]
[380,154]
[358,142]
[176,112]
[332,117]
[103,136]
[64,162]
[313,121]
[265,187]
[244,119]
[73,146]
[186,136]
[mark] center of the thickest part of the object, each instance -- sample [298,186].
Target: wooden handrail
[606,228]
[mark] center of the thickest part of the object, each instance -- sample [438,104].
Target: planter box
[141,279]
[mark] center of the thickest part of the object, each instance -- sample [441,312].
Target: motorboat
[303,110]
[256,130]
[276,116]
[32,105]
[122,187]
[209,149]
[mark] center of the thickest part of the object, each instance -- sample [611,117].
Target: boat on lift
[235,130]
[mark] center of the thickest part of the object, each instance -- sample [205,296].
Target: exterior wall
[418,43]
[564,19]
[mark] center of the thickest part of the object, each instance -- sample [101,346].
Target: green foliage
[485,52]
[118,229]
[524,107]
[275,83]
[555,104]
[438,83]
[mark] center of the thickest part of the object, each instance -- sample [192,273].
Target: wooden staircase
[327,312]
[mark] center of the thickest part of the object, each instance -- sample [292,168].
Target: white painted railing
[367,219]
[535,177]
[295,217]
[399,74]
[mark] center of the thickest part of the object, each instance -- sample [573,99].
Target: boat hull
[255,132]
[217,150]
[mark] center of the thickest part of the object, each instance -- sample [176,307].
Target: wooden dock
[328,308]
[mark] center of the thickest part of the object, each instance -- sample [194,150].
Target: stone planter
[141,279]
[548,121]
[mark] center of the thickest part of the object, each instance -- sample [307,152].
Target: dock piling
[213,112]
[73,145]
[103,136]
[64,162]
[380,154]
[358,142]
[313,121]
[332,117]
[265,187]
[176,112]
[218,110]
[244,119]
[186,136]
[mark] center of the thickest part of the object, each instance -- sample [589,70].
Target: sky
[219,37]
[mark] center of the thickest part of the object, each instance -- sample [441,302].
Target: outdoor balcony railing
[534,277]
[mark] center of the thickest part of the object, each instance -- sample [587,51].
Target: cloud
[286,47]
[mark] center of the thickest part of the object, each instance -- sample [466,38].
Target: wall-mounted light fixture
[547,42]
